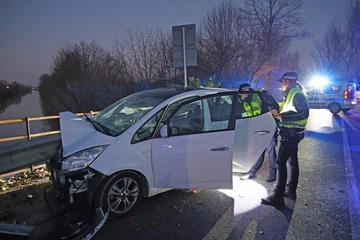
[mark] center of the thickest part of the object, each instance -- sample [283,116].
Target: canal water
[29,106]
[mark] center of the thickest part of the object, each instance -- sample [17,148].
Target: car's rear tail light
[349,95]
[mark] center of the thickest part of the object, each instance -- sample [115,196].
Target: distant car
[153,141]
[337,96]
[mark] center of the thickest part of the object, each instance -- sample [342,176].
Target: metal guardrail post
[28,128]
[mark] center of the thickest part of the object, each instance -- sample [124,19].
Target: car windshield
[124,113]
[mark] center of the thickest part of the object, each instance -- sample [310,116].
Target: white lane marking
[348,122]
[354,203]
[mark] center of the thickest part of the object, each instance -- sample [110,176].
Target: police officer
[293,115]
[252,106]
[250,102]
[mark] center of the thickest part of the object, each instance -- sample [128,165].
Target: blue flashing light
[319,81]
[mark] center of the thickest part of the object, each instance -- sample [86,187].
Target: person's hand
[278,117]
[274,112]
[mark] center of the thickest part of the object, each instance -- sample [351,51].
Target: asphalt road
[327,206]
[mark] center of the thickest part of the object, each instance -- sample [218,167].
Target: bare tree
[85,62]
[235,43]
[351,56]
[146,55]
[217,40]
[278,21]
[228,47]
[339,50]
[328,52]
[164,67]
[93,75]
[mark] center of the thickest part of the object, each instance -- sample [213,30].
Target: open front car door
[205,140]
[254,131]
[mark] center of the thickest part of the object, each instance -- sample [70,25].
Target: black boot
[249,175]
[271,177]
[275,200]
[290,193]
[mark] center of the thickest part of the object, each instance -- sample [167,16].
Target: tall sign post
[184,47]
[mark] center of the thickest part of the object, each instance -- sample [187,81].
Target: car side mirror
[164,131]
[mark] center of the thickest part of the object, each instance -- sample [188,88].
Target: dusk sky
[32,31]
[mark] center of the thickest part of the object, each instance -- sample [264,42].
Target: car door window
[147,130]
[188,119]
[202,115]
[335,89]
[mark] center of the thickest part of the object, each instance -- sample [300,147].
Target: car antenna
[78,105]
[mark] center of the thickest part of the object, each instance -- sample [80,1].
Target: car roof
[340,83]
[167,93]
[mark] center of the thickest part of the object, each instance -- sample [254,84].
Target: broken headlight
[82,159]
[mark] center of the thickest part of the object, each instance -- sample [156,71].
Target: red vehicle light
[346,95]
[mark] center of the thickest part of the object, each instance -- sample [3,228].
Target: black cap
[244,86]
[291,76]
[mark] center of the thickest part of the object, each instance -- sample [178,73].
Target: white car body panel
[123,156]
[189,162]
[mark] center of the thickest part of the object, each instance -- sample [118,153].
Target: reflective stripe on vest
[289,106]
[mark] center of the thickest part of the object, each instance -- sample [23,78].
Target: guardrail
[22,156]
[27,121]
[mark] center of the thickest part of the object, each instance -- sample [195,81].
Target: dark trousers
[271,150]
[288,152]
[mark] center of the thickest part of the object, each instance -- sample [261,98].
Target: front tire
[119,194]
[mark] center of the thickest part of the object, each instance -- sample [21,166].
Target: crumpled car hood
[78,134]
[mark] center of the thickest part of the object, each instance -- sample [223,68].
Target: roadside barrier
[23,153]
[27,121]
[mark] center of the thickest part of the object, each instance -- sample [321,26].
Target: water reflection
[27,106]
[5,103]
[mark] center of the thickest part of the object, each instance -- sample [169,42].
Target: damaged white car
[153,141]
